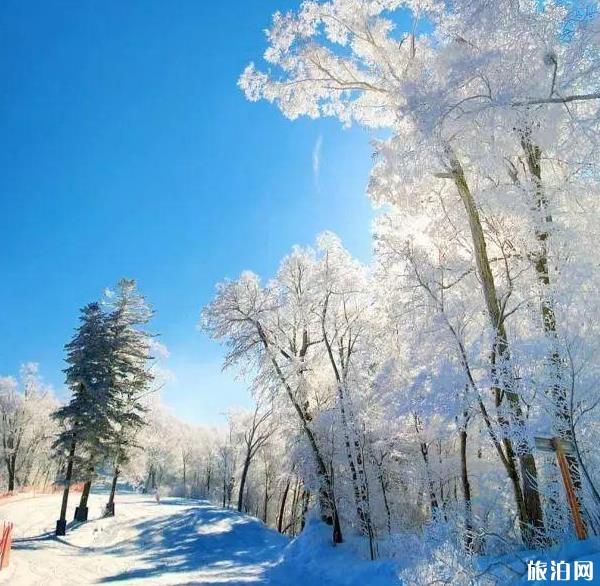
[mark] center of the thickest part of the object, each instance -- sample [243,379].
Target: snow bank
[311,560]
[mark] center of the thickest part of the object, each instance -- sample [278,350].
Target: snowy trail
[178,541]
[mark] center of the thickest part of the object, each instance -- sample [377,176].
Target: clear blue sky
[128,150]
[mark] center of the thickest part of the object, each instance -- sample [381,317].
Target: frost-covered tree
[254,429]
[130,372]
[26,428]
[488,111]
[268,328]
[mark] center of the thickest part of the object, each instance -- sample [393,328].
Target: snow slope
[181,541]
[311,559]
[174,542]
[178,541]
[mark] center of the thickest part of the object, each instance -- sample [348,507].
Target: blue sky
[128,150]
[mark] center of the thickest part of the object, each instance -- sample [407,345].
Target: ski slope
[178,541]
[182,541]
[175,542]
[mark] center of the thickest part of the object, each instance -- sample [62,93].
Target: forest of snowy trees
[398,401]
[415,387]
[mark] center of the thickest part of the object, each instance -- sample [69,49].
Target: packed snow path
[178,541]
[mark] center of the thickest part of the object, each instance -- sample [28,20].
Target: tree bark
[294,520]
[305,501]
[266,499]
[110,505]
[282,505]
[531,516]
[243,481]
[61,524]
[466,488]
[11,475]
[388,513]
[81,512]
[208,475]
[85,493]
[432,496]
[11,447]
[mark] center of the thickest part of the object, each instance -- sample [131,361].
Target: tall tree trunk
[531,518]
[305,501]
[11,473]
[61,524]
[328,507]
[558,392]
[432,496]
[282,505]
[425,455]
[8,441]
[443,498]
[109,510]
[327,504]
[503,445]
[266,503]
[362,515]
[243,481]
[354,460]
[81,512]
[383,485]
[466,487]
[230,486]
[294,520]
[85,493]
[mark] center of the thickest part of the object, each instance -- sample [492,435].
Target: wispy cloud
[316,162]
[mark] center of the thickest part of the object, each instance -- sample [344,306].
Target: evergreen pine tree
[87,420]
[130,374]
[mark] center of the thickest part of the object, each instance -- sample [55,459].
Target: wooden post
[560,447]
[569,489]
[5,544]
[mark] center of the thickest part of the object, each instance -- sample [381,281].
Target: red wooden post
[5,544]
[559,447]
[563,464]
[2,542]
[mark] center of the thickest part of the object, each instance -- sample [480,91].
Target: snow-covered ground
[175,542]
[178,541]
[182,541]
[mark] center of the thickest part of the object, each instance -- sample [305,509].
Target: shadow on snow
[217,545]
[39,541]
